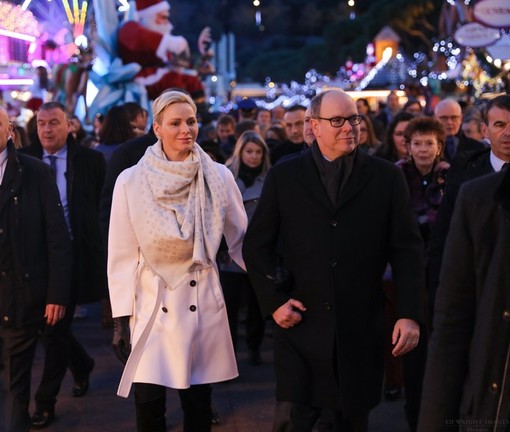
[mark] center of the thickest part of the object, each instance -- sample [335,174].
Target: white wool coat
[180,336]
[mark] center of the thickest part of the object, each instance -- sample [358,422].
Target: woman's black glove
[121,338]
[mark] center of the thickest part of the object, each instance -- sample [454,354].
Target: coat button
[333,263]
[328,306]
[3,274]
[192,308]
[1,231]
[506,315]
[334,223]
[494,387]
[164,309]
[6,318]
[193,283]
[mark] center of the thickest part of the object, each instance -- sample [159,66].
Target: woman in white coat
[169,214]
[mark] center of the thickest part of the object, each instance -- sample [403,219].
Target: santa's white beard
[163,28]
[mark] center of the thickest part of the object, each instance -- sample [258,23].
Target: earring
[409,158]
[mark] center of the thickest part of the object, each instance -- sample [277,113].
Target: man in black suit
[468,166]
[449,113]
[466,385]
[35,271]
[293,119]
[79,173]
[326,225]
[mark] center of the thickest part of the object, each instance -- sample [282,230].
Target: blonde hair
[169,98]
[234,162]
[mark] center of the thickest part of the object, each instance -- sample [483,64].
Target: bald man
[35,271]
[449,113]
[332,218]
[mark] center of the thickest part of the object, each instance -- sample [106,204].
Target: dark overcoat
[85,176]
[335,257]
[39,242]
[467,380]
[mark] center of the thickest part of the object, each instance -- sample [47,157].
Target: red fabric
[144,4]
[137,44]
[34,104]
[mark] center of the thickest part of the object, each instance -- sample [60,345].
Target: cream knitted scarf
[177,211]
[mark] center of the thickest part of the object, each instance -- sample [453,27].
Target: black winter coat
[40,244]
[335,257]
[467,380]
[85,177]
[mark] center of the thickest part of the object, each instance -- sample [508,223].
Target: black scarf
[248,175]
[335,174]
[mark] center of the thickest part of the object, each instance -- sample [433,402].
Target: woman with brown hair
[249,165]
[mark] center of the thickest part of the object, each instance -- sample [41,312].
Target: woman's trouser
[150,402]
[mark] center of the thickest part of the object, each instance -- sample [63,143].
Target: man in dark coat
[468,166]
[326,225]
[79,173]
[293,119]
[35,271]
[467,382]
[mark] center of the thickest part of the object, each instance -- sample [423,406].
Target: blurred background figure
[138,117]
[413,106]
[263,119]
[472,123]
[249,164]
[225,128]
[365,110]
[368,142]
[115,130]
[246,110]
[76,129]
[275,135]
[39,89]
[293,119]
[394,147]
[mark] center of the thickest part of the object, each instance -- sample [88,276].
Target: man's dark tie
[505,166]
[450,148]
[53,164]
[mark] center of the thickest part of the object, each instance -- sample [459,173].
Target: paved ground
[244,404]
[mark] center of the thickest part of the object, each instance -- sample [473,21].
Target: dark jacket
[125,156]
[284,149]
[426,193]
[85,177]
[335,258]
[467,166]
[465,144]
[468,367]
[39,242]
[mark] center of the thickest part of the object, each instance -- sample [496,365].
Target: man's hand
[406,335]
[288,315]
[54,313]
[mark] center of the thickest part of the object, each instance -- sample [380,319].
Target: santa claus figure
[164,57]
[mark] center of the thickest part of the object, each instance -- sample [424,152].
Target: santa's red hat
[147,8]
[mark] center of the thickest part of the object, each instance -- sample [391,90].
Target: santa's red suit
[152,50]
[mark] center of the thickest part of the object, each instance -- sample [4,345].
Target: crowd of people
[349,231]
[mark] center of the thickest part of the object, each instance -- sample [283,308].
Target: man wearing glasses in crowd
[449,113]
[327,223]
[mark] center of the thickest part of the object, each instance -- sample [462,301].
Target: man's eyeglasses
[337,122]
[453,118]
